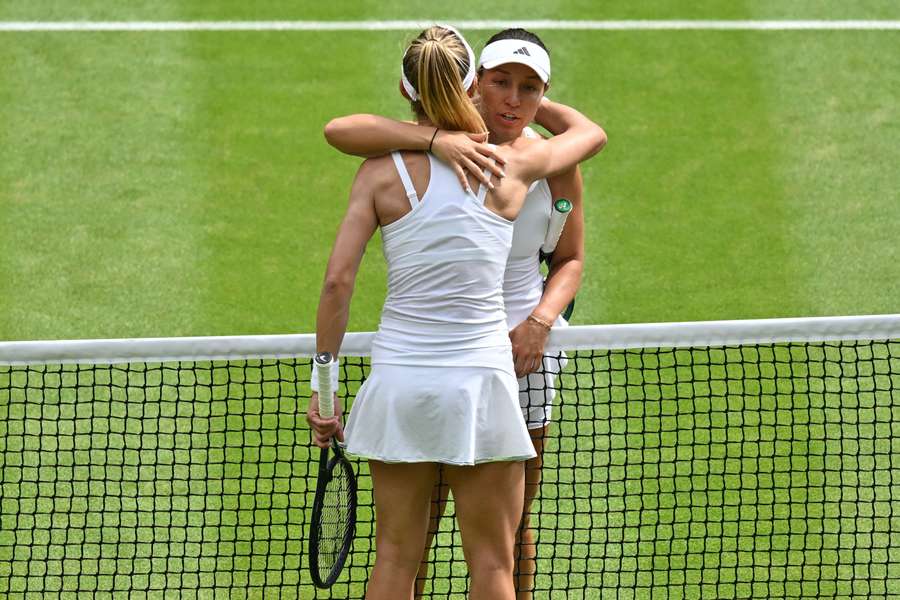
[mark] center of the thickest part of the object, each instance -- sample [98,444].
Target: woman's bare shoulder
[524,154]
[377,169]
[381,174]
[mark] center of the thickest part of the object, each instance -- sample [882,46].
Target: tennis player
[512,83]
[442,388]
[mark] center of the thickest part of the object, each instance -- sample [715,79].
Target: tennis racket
[561,210]
[334,507]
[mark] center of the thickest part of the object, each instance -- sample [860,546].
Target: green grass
[347,10]
[159,184]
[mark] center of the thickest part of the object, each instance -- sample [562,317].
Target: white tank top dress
[523,286]
[442,386]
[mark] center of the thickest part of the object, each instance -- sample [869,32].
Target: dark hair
[517,33]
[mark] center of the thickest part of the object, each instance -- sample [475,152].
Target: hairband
[467,81]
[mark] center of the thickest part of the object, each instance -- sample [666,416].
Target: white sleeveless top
[446,260]
[523,284]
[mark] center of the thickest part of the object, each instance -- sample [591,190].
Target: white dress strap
[483,189]
[404,177]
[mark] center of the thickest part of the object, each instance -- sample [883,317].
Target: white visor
[529,54]
[467,80]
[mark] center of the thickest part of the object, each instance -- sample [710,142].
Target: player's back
[446,256]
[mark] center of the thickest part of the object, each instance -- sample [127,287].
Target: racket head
[333,524]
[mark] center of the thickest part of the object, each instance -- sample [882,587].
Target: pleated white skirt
[452,415]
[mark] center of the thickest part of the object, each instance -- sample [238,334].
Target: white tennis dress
[442,386]
[523,286]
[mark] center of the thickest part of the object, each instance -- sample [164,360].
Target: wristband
[314,382]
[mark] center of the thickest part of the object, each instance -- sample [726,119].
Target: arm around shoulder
[373,135]
[578,139]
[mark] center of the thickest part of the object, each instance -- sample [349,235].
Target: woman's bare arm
[355,231]
[333,313]
[374,135]
[529,337]
[578,138]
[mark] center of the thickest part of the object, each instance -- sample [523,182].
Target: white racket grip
[325,381]
[561,210]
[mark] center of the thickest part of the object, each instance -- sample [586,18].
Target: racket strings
[335,521]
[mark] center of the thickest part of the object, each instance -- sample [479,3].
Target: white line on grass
[408,25]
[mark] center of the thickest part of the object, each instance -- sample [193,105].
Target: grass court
[177,183]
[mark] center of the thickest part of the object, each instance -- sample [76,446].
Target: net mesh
[739,471]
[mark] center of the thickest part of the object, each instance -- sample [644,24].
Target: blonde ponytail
[436,64]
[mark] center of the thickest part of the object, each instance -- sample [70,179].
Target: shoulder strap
[482,188]
[404,177]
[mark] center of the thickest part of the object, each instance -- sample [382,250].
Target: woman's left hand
[528,339]
[468,153]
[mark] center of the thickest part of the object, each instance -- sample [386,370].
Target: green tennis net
[736,459]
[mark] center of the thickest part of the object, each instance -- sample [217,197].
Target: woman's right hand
[467,152]
[324,429]
[528,340]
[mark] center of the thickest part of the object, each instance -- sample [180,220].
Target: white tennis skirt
[452,415]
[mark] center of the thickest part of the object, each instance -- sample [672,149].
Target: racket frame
[324,368]
[326,474]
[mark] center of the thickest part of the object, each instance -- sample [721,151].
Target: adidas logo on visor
[522,50]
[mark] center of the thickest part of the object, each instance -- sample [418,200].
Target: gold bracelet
[545,324]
